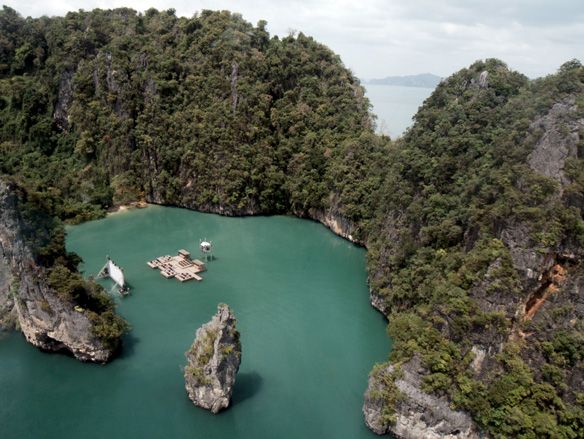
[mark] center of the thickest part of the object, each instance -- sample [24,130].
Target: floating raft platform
[181,266]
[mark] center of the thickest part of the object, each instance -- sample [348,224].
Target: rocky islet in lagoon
[213,361]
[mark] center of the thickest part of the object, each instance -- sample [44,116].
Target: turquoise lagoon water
[309,335]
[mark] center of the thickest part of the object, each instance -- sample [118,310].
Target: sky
[378,38]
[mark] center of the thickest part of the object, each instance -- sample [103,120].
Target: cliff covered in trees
[477,253]
[473,220]
[40,292]
[209,113]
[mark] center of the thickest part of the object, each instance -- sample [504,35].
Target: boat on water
[116,273]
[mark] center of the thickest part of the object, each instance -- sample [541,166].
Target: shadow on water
[5,333]
[128,346]
[247,385]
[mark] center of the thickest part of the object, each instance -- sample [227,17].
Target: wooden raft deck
[180,266]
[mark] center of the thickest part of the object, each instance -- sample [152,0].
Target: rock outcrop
[65,96]
[26,300]
[339,225]
[213,361]
[558,142]
[417,414]
[7,310]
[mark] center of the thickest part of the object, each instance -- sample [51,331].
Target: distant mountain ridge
[427,80]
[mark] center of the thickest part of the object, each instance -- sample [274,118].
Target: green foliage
[71,286]
[206,112]
[198,374]
[206,346]
[108,327]
[515,404]
[566,349]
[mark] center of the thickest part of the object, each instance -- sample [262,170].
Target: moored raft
[181,266]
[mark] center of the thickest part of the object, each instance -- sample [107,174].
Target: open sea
[395,106]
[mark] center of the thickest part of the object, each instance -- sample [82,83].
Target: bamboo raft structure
[181,266]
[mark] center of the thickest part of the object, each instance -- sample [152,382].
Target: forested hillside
[472,220]
[207,112]
[477,250]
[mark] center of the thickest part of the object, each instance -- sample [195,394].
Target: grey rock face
[483,79]
[7,311]
[526,259]
[61,114]
[378,302]
[339,225]
[26,301]
[418,414]
[213,361]
[558,141]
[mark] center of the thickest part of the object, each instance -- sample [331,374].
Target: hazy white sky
[377,38]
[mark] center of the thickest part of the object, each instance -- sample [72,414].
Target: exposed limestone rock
[106,79]
[417,414]
[336,222]
[528,262]
[213,361]
[61,114]
[110,76]
[51,324]
[378,302]
[7,310]
[551,284]
[491,299]
[26,300]
[477,363]
[483,79]
[558,142]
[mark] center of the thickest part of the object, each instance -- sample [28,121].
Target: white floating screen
[116,273]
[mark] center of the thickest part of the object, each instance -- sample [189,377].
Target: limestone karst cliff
[478,263]
[28,302]
[414,413]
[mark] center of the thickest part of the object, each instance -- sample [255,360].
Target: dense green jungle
[473,219]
